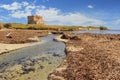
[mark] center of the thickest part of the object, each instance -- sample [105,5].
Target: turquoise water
[98,31]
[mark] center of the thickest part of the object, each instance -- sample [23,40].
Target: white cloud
[25,3]
[50,15]
[30,7]
[28,10]
[90,6]
[20,14]
[14,5]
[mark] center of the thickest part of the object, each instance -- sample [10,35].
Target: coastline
[91,57]
[19,39]
[88,56]
[5,48]
[37,67]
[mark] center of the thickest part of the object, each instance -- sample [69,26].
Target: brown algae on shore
[97,58]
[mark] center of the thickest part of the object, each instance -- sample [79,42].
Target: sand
[10,47]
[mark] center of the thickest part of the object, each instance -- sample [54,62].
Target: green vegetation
[50,27]
[103,28]
[91,27]
[8,25]
[40,27]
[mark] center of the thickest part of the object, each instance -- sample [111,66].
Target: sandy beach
[4,48]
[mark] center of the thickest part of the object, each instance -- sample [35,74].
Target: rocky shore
[90,57]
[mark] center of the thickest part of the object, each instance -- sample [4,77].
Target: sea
[98,31]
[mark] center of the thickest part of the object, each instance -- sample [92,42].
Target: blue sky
[63,12]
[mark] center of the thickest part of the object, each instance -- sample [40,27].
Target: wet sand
[4,48]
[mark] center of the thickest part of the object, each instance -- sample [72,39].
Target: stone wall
[35,20]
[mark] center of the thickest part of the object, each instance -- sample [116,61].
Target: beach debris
[57,32]
[71,37]
[56,55]
[9,35]
[74,48]
[58,38]
[34,38]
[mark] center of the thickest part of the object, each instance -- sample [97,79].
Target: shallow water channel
[35,62]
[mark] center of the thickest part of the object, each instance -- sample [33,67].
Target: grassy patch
[45,27]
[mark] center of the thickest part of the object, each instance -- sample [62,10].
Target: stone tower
[35,20]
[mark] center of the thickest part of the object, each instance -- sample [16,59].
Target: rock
[43,59]
[33,39]
[75,38]
[58,38]
[57,32]
[50,63]
[65,36]
[27,70]
[56,55]
[28,63]
[8,35]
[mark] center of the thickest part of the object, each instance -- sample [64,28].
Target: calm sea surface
[98,31]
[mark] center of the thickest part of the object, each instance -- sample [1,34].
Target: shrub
[103,28]
[31,28]
[7,25]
